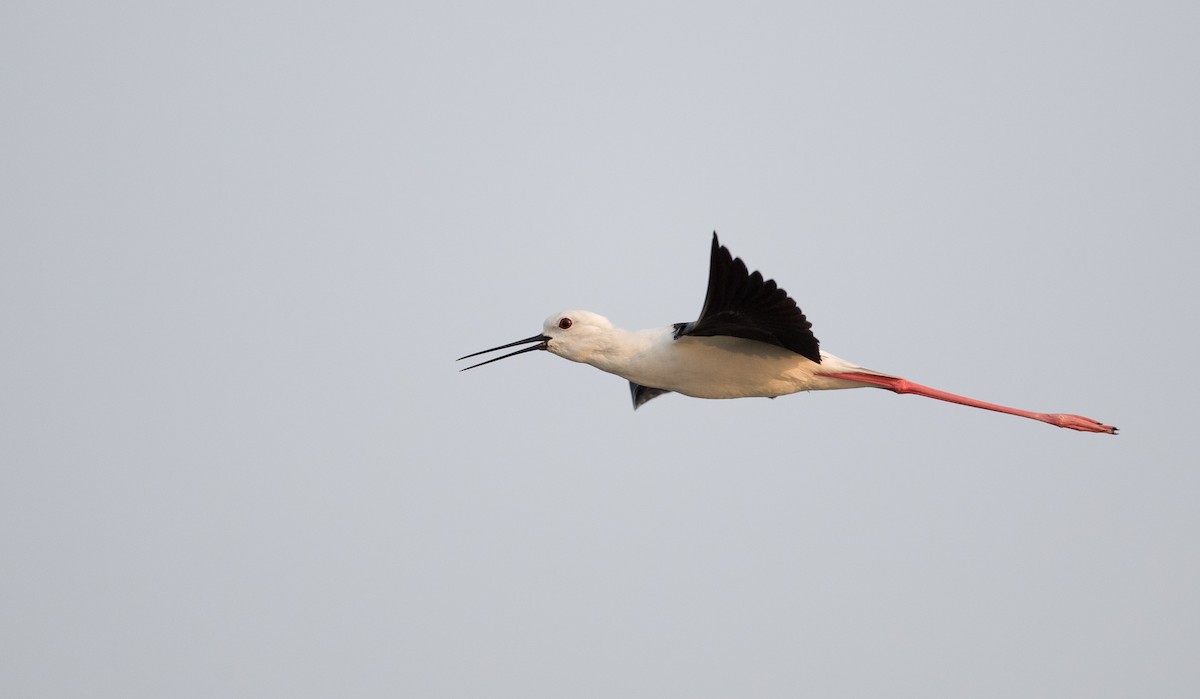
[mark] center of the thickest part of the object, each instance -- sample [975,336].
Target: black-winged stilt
[751,340]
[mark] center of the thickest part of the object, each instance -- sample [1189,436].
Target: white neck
[614,350]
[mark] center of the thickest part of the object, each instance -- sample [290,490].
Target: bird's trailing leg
[898,385]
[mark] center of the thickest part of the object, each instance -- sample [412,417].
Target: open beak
[541,341]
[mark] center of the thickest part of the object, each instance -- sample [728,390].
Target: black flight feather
[743,304]
[641,394]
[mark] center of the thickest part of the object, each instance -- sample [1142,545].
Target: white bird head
[573,335]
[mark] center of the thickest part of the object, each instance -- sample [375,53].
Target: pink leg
[898,385]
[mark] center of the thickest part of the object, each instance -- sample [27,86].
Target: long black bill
[540,339]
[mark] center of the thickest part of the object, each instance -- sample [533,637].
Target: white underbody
[708,367]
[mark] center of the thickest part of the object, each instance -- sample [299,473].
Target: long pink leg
[898,385]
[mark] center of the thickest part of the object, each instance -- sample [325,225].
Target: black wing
[743,304]
[641,394]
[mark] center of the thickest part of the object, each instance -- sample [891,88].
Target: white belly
[729,367]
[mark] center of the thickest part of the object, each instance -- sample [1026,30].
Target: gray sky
[243,242]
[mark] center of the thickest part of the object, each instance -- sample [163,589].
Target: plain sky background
[242,243]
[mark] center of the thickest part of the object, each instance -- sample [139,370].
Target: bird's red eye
[564,323]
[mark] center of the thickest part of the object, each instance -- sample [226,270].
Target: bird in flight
[751,340]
